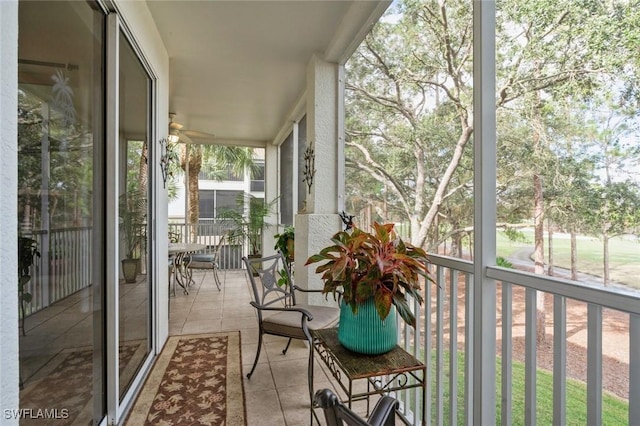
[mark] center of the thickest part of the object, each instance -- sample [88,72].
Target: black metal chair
[274,297]
[336,414]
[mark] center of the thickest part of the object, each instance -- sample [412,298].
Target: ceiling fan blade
[184,138]
[175,126]
[195,134]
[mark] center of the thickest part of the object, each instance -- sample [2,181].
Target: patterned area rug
[197,380]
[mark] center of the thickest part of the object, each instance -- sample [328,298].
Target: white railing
[65,264]
[209,232]
[63,268]
[532,375]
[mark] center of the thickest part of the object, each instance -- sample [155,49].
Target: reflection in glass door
[135,280]
[60,149]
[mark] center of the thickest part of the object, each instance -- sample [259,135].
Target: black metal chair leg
[310,381]
[284,352]
[255,362]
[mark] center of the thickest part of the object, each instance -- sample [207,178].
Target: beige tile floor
[277,393]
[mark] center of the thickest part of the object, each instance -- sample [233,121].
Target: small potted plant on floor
[375,273]
[285,243]
[132,216]
[249,220]
[27,252]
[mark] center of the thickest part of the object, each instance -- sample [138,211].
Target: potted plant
[247,228]
[285,243]
[132,215]
[375,272]
[27,252]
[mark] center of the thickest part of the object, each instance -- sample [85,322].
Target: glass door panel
[60,205]
[135,283]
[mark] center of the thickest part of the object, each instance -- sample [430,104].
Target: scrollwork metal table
[394,371]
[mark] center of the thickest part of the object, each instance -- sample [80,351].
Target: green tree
[214,158]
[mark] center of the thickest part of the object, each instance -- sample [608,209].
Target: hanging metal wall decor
[309,166]
[167,157]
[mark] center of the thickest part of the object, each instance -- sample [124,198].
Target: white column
[271,191]
[484,183]
[320,219]
[9,345]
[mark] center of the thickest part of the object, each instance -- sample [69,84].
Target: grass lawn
[624,255]
[615,410]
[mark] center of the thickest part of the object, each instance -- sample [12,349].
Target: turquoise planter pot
[365,332]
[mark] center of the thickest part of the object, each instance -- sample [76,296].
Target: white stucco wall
[8,210]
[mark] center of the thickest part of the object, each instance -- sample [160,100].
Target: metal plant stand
[390,372]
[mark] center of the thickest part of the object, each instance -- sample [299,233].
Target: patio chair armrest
[384,412]
[304,312]
[304,290]
[336,413]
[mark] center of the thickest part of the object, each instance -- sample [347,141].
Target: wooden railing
[581,318]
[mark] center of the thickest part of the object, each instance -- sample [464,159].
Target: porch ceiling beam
[346,40]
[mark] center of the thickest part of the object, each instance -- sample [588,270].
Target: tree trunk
[538,254]
[538,199]
[192,166]
[419,238]
[143,169]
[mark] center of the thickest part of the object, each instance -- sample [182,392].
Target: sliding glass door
[134,291]
[61,97]
[81,349]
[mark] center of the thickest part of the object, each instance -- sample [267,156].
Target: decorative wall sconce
[309,166]
[167,157]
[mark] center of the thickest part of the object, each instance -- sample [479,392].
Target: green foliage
[378,265]
[70,146]
[132,216]
[249,221]
[614,209]
[285,244]
[559,64]
[515,235]
[501,261]
[615,411]
[27,252]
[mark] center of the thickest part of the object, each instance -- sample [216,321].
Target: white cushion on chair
[287,323]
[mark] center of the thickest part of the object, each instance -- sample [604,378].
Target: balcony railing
[444,340]
[63,268]
[65,264]
[209,232]
[597,326]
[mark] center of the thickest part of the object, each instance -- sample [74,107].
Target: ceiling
[237,68]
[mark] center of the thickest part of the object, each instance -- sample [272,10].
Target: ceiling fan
[178,133]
